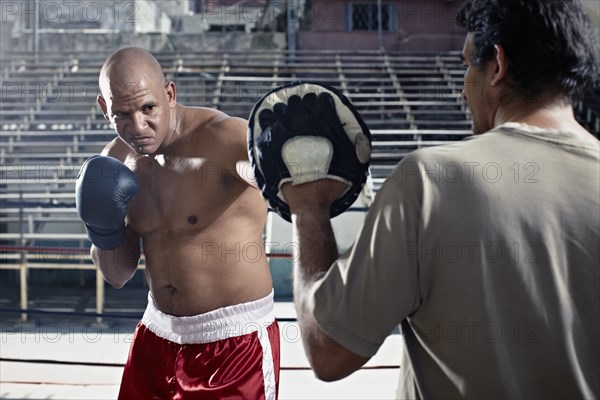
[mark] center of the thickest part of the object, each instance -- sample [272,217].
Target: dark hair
[551,45]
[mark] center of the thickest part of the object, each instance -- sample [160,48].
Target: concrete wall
[150,18]
[391,41]
[107,42]
[422,25]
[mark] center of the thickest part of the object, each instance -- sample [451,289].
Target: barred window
[363,17]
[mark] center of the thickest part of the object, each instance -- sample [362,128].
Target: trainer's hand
[312,196]
[104,187]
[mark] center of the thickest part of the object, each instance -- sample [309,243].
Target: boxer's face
[140,112]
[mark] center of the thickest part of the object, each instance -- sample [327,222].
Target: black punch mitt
[303,132]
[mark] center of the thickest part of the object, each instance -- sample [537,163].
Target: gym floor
[71,356]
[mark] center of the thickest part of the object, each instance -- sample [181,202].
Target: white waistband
[222,323]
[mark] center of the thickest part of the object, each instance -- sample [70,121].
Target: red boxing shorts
[228,353]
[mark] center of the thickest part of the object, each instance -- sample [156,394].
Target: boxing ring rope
[26,257]
[79,257]
[102,316]
[121,365]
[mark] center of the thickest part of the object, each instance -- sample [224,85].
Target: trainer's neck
[553,114]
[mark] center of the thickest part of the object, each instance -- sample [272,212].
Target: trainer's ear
[102,104]
[500,65]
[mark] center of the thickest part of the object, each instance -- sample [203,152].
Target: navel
[192,220]
[171,288]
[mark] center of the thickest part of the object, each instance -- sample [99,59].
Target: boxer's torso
[200,224]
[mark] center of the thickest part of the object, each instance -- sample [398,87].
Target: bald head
[140,105]
[128,68]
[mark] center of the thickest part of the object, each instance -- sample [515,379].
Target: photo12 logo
[47,13]
[50,92]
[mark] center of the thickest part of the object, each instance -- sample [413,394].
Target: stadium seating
[50,122]
[50,119]
[50,116]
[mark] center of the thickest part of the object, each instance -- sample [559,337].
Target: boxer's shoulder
[117,148]
[212,127]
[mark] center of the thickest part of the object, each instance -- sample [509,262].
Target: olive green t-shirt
[486,252]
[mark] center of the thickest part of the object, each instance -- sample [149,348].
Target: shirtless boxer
[172,183]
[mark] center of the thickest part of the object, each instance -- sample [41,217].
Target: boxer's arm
[236,141]
[309,205]
[118,266]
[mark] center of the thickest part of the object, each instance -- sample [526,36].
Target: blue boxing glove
[304,132]
[104,188]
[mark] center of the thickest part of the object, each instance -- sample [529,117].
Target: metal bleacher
[49,111]
[50,123]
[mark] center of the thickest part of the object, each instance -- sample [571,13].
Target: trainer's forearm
[119,265]
[317,252]
[317,248]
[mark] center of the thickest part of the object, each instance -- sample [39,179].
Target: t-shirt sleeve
[371,288]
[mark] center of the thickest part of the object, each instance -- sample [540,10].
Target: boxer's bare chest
[180,194]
